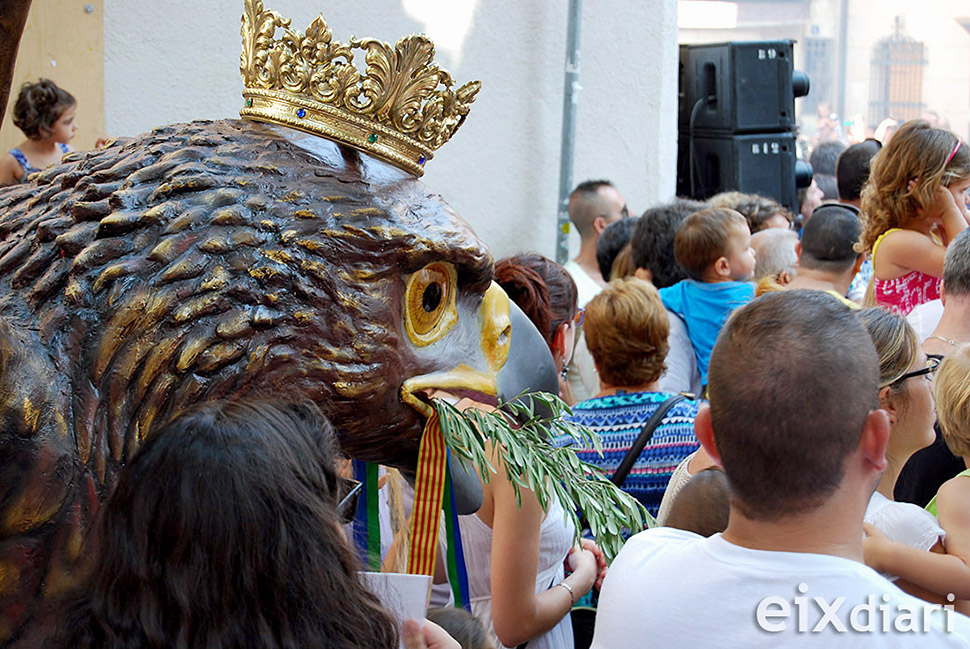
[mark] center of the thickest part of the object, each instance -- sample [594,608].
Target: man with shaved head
[802,462]
[593,205]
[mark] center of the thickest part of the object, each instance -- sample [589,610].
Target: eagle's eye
[429,305]
[431,299]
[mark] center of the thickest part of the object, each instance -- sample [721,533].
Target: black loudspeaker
[736,118]
[755,163]
[683,111]
[742,87]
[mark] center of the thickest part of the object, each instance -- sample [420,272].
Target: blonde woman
[904,393]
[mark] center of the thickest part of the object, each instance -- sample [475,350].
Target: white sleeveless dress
[556,538]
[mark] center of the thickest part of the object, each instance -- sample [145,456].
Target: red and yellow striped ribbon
[429,489]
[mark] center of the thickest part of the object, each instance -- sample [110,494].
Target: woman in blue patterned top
[626,332]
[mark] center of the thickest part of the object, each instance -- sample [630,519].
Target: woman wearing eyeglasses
[942,575]
[905,393]
[224,531]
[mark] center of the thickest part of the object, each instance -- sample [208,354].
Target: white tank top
[555,540]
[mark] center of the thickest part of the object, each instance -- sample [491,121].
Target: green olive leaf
[520,433]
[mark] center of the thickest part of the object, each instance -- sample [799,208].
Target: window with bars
[896,77]
[820,66]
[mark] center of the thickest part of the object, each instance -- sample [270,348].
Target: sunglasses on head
[349,491]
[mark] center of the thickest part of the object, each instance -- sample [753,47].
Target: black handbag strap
[645,434]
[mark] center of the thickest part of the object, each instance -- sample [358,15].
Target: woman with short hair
[626,331]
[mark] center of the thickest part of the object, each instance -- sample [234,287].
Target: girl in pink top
[914,204]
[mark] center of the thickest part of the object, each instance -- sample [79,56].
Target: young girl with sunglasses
[913,206]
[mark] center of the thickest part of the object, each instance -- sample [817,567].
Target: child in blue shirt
[714,247]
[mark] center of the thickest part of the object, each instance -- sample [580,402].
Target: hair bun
[527,289]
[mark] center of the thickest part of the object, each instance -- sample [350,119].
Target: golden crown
[401,109]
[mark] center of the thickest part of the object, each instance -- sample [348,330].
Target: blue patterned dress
[21,159]
[618,419]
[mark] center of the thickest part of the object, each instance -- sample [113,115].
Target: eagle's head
[224,259]
[411,305]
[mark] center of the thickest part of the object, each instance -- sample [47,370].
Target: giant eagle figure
[222,260]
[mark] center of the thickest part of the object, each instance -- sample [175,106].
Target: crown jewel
[401,109]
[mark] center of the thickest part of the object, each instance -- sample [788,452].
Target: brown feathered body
[210,260]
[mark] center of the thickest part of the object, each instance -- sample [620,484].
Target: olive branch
[520,431]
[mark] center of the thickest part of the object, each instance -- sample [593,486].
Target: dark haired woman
[547,295]
[224,531]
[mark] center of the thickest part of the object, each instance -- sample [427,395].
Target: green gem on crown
[372,138]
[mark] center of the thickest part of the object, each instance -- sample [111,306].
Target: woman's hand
[583,569]
[945,211]
[874,547]
[589,544]
[426,635]
[961,198]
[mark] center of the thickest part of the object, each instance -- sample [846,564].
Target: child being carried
[714,247]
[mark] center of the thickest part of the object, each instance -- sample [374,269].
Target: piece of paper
[404,596]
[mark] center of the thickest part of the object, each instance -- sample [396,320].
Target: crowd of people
[755,470]
[788,397]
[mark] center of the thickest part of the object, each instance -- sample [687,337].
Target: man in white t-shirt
[593,205]
[794,421]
